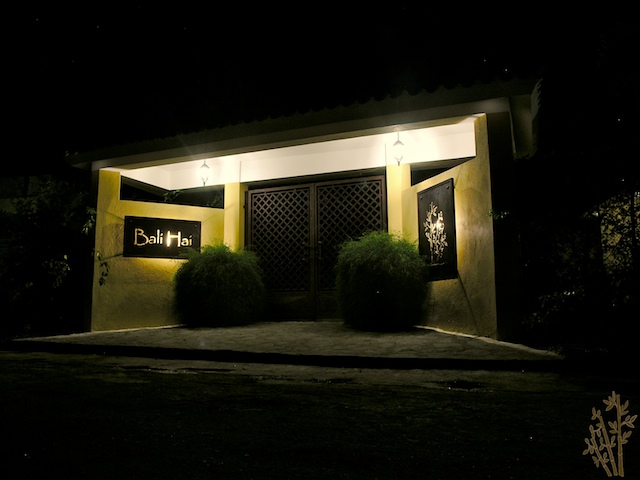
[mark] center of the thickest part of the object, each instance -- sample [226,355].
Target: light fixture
[398,150]
[204,173]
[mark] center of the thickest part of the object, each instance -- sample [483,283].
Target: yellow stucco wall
[138,291]
[468,303]
[234,200]
[398,181]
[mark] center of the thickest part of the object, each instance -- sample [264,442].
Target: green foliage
[44,260]
[217,287]
[580,273]
[380,283]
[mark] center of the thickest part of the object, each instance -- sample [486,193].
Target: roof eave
[326,124]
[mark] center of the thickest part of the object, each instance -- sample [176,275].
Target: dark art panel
[437,230]
[159,237]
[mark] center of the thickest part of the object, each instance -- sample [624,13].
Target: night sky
[99,74]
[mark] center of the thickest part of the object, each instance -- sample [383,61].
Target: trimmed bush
[219,287]
[380,283]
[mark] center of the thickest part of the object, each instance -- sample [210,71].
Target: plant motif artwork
[437,242]
[605,443]
[435,233]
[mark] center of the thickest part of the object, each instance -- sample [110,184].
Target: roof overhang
[312,133]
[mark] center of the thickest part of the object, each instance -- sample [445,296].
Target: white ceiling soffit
[421,145]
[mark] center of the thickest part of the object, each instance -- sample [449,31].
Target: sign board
[159,237]
[437,228]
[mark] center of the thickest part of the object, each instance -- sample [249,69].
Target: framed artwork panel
[437,230]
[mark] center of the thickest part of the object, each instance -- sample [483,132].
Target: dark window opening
[212,197]
[423,171]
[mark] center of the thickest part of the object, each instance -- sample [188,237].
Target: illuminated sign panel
[159,237]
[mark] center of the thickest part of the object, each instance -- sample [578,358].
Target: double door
[297,230]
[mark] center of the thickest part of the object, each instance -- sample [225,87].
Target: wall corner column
[398,180]
[234,211]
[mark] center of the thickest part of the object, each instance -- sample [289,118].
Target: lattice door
[345,210]
[296,233]
[280,234]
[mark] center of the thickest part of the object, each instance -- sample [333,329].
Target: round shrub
[217,287]
[380,283]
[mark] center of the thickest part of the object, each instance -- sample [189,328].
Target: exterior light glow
[398,150]
[204,173]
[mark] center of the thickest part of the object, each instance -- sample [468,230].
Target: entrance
[296,232]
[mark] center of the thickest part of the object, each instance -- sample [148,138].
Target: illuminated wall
[137,291]
[467,303]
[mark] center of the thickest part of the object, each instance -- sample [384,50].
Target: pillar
[234,210]
[398,180]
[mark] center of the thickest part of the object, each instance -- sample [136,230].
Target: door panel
[344,210]
[279,232]
[297,231]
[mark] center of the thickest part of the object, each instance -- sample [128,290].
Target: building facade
[292,189]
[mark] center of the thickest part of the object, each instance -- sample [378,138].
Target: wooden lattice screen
[345,210]
[281,235]
[296,231]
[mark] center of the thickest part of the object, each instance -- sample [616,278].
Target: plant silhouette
[602,442]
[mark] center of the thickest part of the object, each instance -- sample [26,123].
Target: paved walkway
[326,343]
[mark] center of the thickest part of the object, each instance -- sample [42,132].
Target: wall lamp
[204,173]
[398,150]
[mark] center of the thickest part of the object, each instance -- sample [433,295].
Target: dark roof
[182,107]
[323,123]
[89,79]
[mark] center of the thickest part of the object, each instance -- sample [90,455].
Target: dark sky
[100,74]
